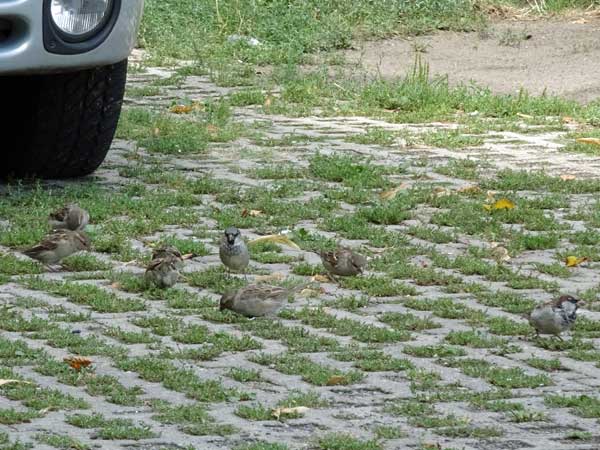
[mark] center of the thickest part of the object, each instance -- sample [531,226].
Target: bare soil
[560,57]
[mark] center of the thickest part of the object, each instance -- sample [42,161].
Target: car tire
[60,125]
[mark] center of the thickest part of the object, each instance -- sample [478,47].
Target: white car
[63,65]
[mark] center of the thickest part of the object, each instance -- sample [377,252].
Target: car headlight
[77,20]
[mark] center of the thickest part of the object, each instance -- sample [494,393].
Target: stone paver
[360,407]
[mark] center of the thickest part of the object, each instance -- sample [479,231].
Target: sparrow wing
[48,244]
[60,214]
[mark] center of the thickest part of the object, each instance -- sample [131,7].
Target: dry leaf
[10,381]
[524,116]
[269,278]
[297,411]
[186,109]
[276,239]
[581,21]
[593,141]
[568,119]
[311,292]
[252,212]
[187,256]
[212,129]
[77,362]
[500,254]
[503,203]
[320,278]
[567,177]
[470,189]
[268,101]
[441,191]
[116,285]
[156,132]
[573,261]
[391,193]
[181,109]
[491,196]
[336,380]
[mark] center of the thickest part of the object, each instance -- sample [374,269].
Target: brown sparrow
[168,250]
[256,300]
[343,261]
[70,217]
[233,251]
[59,245]
[556,316]
[163,271]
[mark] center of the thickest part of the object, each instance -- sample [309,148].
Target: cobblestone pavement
[433,353]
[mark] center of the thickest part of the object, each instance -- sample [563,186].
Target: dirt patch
[559,57]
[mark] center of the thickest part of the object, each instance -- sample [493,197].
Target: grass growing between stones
[435,314]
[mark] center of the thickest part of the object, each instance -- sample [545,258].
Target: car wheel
[60,125]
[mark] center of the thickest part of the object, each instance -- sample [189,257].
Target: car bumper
[22,48]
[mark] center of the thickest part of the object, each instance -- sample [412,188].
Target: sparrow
[70,217]
[59,245]
[556,316]
[233,251]
[168,250]
[343,261]
[257,300]
[163,270]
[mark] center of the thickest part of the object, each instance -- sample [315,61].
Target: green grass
[86,294]
[372,360]
[112,429]
[346,169]
[188,29]
[582,405]
[11,416]
[339,441]
[311,372]
[510,378]
[61,441]
[362,332]
[186,381]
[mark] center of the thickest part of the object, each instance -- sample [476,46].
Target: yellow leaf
[320,278]
[268,102]
[470,189]
[593,141]
[212,129]
[311,292]
[269,278]
[573,261]
[391,193]
[296,411]
[276,239]
[252,213]
[567,177]
[500,254]
[186,109]
[503,203]
[9,381]
[336,380]
[77,362]
[441,191]
[181,109]
[524,116]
